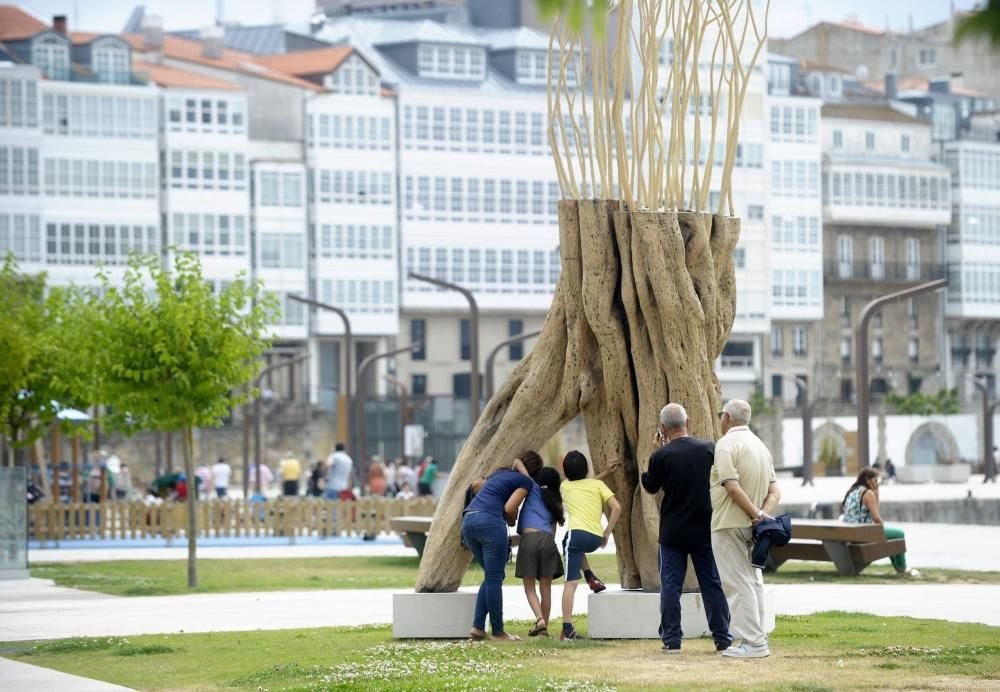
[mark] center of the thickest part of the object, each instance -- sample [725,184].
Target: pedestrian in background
[290,470]
[221,473]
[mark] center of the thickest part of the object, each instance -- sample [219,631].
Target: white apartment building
[741,365]
[795,220]
[885,204]
[206,186]
[75,143]
[478,188]
[973,256]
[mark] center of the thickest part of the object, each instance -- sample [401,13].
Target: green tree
[174,356]
[41,333]
[942,402]
[983,22]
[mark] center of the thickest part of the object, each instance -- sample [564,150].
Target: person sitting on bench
[860,506]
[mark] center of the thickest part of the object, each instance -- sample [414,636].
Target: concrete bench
[414,530]
[850,547]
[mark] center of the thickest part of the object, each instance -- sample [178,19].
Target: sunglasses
[721,414]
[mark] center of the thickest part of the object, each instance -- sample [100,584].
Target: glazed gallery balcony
[834,270]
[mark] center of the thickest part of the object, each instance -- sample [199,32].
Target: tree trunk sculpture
[643,307]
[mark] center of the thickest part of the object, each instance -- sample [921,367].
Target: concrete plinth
[952,473]
[915,473]
[432,615]
[636,615]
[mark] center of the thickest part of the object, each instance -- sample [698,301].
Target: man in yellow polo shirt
[290,470]
[744,492]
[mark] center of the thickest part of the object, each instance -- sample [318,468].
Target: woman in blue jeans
[484,529]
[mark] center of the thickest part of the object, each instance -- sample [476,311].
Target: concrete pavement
[32,613]
[16,676]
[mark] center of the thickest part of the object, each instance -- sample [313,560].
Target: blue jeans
[486,536]
[673,567]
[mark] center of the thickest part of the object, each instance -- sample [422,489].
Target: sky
[787,17]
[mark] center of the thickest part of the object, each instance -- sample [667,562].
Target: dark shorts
[576,544]
[538,556]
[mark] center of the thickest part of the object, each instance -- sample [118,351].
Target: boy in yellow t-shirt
[584,500]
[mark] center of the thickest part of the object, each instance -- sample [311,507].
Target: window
[870,141]
[418,335]
[51,56]
[845,256]
[270,189]
[111,62]
[912,259]
[464,339]
[800,343]
[740,257]
[460,385]
[755,211]
[913,349]
[515,327]
[904,142]
[877,349]
[418,384]
[927,57]
[776,386]
[777,338]
[878,257]
[845,350]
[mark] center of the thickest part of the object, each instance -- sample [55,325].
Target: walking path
[949,546]
[38,611]
[21,677]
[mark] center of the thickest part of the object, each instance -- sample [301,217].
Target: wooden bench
[850,547]
[415,529]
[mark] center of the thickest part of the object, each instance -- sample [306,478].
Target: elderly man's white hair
[673,417]
[738,411]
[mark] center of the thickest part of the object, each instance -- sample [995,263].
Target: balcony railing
[887,271]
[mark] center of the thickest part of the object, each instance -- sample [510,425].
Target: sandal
[477,635]
[538,629]
[506,637]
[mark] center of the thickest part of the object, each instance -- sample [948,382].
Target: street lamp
[256,421]
[861,367]
[805,410]
[989,473]
[362,393]
[493,354]
[348,346]
[473,340]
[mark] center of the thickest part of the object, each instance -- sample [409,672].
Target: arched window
[51,56]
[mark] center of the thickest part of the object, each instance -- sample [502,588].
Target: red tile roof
[308,62]
[17,24]
[167,77]
[190,50]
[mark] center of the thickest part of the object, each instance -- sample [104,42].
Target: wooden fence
[225,518]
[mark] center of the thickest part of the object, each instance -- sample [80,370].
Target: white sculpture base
[432,615]
[636,615]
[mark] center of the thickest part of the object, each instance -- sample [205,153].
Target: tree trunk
[192,497]
[643,307]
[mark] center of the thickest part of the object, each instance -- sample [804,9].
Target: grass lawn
[826,651]
[167,577]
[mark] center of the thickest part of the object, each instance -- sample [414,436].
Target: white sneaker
[747,651]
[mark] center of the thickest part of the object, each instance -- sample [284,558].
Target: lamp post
[861,349]
[404,405]
[362,457]
[806,411]
[473,340]
[496,349]
[348,346]
[256,422]
[989,473]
